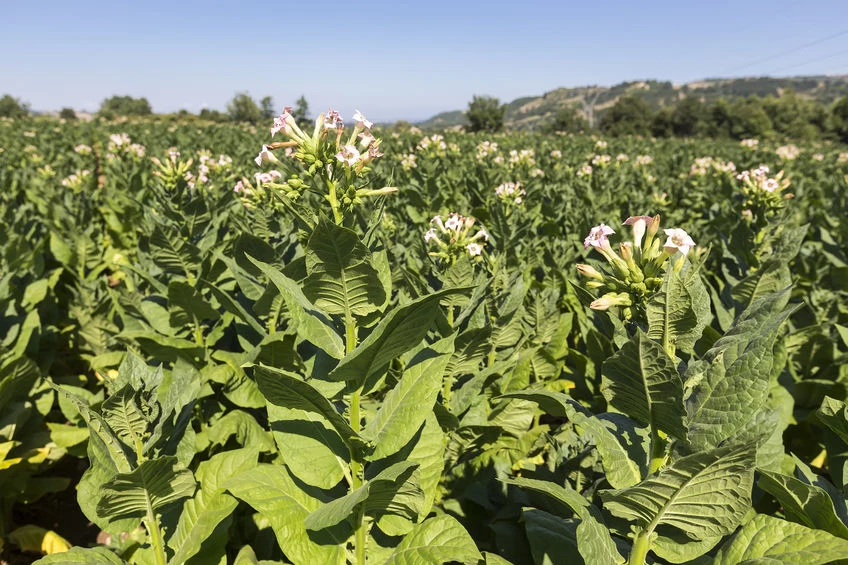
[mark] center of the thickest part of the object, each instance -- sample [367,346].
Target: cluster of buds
[433,146]
[706,165]
[408,162]
[601,145]
[486,149]
[451,238]
[339,164]
[511,193]
[522,158]
[788,152]
[173,172]
[585,171]
[763,194]
[82,149]
[636,271]
[120,145]
[642,160]
[750,143]
[600,160]
[77,181]
[622,158]
[556,154]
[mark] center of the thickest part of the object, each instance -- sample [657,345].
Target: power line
[789,52]
[816,60]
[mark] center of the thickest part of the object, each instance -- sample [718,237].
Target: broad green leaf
[553,541]
[729,386]
[82,556]
[773,274]
[374,496]
[834,414]
[593,538]
[309,321]
[406,406]
[624,466]
[124,416]
[440,539]
[188,305]
[308,444]
[210,505]
[35,539]
[803,503]
[556,404]
[399,331]
[681,309]
[154,484]
[289,391]
[766,540]
[341,278]
[270,490]
[705,494]
[641,381]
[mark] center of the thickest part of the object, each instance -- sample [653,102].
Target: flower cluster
[522,158]
[556,154]
[120,145]
[706,165]
[486,149]
[585,171]
[408,162]
[77,181]
[511,192]
[338,165]
[842,158]
[82,149]
[763,194]
[601,160]
[622,158]
[788,152]
[642,160]
[449,239]
[750,143]
[636,270]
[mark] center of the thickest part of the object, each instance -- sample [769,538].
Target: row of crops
[366,346]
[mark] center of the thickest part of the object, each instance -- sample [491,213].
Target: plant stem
[641,545]
[657,451]
[156,540]
[356,467]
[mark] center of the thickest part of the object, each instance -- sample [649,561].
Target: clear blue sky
[400,59]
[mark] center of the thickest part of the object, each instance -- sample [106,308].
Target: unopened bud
[589,271]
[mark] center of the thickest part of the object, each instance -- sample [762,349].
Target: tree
[301,112]
[569,119]
[748,118]
[485,113]
[719,119]
[11,107]
[794,116]
[839,118]
[267,107]
[242,108]
[213,115]
[688,118]
[68,114]
[124,106]
[630,115]
[661,124]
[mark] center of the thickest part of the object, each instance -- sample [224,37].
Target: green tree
[748,118]
[301,112]
[213,115]
[242,108]
[688,117]
[630,115]
[485,113]
[267,108]
[661,124]
[719,118]
[124,106]
[11,107]
[569,119]
[839,118]
[68,114]
[794,116]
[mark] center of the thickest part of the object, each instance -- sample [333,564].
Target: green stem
[657,451]
[641,545]
[450,316]
[356,466]
[156,541]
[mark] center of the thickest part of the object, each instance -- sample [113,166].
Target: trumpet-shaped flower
[474,249]
[348,155]
[677,240]
[333,120]
[598,236]
[265,155]
[280,122]
[639,223]
[361,121]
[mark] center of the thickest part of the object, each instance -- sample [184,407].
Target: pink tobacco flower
[598,236]
[348,155]
[678,240]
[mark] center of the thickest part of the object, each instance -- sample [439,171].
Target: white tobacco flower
[454,222]
[640,224]
[361,121]
[333,120]
[431,235]
[678,240]
[598,236]
[348,155]
[265,155]
[474,249]
[280,122]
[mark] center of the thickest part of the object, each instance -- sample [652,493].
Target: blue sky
[397,59]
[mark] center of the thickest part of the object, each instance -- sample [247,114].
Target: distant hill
[535,111]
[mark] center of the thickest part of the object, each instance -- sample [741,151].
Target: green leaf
[341,278]
[124,416]
[641,381]
[834,414]
[154,484]
[553,541]
[289,391]
[406,406]
[766,540]
[593,537]
[624,460]
[437,540]
[773,274]
[309,321]
[188,305]
[681,309]
[374,495]
[803,503]
[82,556]
[728,387]
[399,331]
[270,490]
[705,494]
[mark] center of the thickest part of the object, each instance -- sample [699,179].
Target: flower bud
[610,299]
[589,271]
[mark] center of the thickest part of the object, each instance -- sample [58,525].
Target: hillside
[530,112]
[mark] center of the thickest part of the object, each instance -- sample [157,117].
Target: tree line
[787,116]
